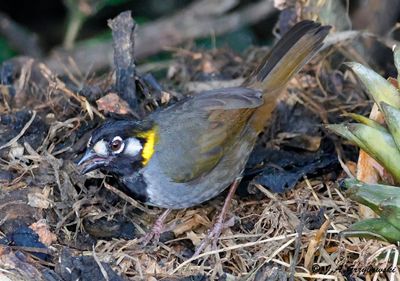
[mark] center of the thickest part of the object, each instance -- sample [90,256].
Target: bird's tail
[286,58]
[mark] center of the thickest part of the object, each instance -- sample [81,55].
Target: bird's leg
[215,232]
[156,230]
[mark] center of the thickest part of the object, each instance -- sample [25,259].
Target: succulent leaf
[392,119]
[384,146]
[374,196]
[376,228]
[379,88]
[366,121]
[379,145]
[343,131]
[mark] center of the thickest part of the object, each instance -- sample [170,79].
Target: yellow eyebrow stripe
[151,139]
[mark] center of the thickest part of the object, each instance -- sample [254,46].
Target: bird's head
[119,147]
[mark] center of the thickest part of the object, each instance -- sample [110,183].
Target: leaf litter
[87,224]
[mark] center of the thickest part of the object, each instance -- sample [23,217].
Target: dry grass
[270,234]
[273,239]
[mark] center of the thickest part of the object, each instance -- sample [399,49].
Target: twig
[102,269]
[130,200]
[123,29]
[239,246]
[20,87]
[294,221]
[32,249]
[297,245]
[60,85]
[17,137]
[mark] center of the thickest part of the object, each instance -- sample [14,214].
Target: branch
[123,28]
[200,19]
[23,41]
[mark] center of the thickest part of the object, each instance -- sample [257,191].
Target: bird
[191,151]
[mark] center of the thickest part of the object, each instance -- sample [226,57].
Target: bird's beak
[91,161]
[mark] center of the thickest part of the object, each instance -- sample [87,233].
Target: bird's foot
[158,227]
[214,234]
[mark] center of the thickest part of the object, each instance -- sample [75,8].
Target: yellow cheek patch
[151,138]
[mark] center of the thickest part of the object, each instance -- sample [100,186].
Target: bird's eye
[117,145]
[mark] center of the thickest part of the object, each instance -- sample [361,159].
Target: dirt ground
[56,224]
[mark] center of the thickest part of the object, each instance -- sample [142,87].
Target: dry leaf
[195,238]
[43,230]
[191,223]
[40,199]
[113,103]
[314,244]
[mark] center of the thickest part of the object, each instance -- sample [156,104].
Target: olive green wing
[195,134]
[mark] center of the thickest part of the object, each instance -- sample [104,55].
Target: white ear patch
[101,148]
[133,147]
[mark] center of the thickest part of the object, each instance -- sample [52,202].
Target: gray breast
[163,192]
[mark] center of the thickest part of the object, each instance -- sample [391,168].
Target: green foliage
[384,200]
[383,144]
[6,51]
[378,87]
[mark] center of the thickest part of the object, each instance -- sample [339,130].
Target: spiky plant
[381,142]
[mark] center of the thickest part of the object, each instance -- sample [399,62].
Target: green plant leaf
[376,228]
[392,119]
[380,146]
[375,196]
[343,131]
[379,88]
[374,139]
[366,121]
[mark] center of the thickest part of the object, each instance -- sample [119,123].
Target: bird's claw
[155,233]
[214,234]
